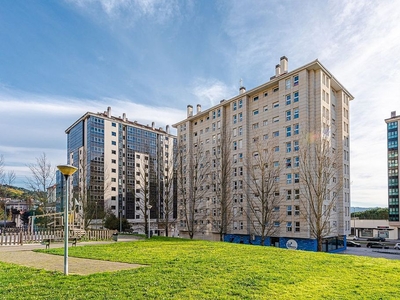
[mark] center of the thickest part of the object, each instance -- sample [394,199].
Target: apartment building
[393,168]
[272,118]
[123,167]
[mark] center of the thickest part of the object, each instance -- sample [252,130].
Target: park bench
[47,242]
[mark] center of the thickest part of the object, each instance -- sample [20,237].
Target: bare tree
[2,171]
[42,177]
[320,186]
[222,177]
[10,177]
[263,168]
[168,197]
[142,188]
[193,175]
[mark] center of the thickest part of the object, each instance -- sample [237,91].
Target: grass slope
[183,269]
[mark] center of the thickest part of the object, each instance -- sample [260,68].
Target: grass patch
[184,269]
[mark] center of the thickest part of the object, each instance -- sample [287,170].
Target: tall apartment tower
[393,168]
[123,167]
[273,117]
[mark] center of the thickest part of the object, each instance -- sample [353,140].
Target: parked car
[397,246]
[377,245]
[376,239]
[353,244]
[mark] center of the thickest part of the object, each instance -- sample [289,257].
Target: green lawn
[183,269]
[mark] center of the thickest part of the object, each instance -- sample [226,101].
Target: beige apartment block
[276,116]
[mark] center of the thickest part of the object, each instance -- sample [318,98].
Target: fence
[26,237]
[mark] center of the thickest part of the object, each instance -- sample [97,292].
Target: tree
[42,176]
[193,175]
[222,160]
[372,214]
[113,223]
[10,177]
[168,195]
[263,197]
[142,186]
[320,185]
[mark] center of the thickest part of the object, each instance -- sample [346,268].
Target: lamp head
[67,170]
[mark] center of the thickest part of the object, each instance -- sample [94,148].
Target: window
[213,114]
[276,223]
[113,180]
[113,133]
[234,145]
[288,115]
[234,131]
[296,178]
[265,136]
[275,89]
[287,84]
[265,122]
[296,80]
[240,130]
[240,117]
[288,226]
[288,131]
[296,194]
[288,147]
[114,189]
[296,113]
[288,194]
[289,178]
[255,112]
[113,124]
[296,97]
[275,119]
[219,124]
[265,94]
[296,145]
[255,125]
[275,104]
[234,105]
[276,164]
[240,103]
[276,149]
[113,161]
[255,98]
[265,108]
[296,162]
[276,133]
[218,113]
[234,119]
[296,129]
[297,226]
[288,162]
[288,99]
[114,143]
[113,151]
[297,210]
[289,210]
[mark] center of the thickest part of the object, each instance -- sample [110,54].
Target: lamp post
[66,170]
[120,220]
[148,216]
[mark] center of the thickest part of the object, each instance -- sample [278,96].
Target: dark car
[377,245]
[353,244]
[376,239]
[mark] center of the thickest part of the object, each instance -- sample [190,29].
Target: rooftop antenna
[241,82]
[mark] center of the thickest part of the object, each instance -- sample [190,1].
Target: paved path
[23,255]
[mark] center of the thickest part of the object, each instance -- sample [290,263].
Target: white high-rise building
[275,116]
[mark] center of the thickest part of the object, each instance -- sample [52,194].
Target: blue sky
[150,58]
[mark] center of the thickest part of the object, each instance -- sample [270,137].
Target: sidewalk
[23,255]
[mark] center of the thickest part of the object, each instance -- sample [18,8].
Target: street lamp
[148,231]
[66,170]
[120,220]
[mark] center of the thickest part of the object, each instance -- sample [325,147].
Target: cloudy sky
[150,58]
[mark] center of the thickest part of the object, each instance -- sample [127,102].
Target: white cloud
[210,90]
[130,11]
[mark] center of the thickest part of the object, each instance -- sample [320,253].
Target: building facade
[272,118]
[123,168]
[393,168]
